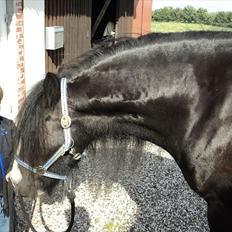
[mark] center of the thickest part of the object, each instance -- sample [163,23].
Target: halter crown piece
[66,146]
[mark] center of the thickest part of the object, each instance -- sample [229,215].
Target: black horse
[174,90]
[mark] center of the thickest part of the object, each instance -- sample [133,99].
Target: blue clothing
[6,153]
[4,221]
[6,147]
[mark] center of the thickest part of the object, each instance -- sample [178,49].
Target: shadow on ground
[122,189]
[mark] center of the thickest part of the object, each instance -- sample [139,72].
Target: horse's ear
[51,86]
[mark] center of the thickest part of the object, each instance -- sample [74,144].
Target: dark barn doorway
[108,16]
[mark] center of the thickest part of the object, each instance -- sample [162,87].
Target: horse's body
[173,90]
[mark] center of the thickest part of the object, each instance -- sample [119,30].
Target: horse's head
[43,140]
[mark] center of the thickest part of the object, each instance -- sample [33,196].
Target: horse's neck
[155,100]
[167,103]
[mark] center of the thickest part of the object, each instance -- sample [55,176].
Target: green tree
[202,16]
[164,14]
[221,17]
[178,15]
[190,14]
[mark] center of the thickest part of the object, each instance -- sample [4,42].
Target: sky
[210,5]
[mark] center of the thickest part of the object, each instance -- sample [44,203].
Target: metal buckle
[65,121]
[76,156]
[40,170]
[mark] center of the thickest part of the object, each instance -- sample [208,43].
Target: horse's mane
[30,124]
[74,67]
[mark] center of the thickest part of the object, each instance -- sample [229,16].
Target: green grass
[112,226]
[178,27]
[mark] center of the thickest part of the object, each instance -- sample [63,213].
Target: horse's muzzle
[21,181]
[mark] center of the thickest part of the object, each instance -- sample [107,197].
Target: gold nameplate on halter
[65,121]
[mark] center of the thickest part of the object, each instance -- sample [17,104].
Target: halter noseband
[66,146]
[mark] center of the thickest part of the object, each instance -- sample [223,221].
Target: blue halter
[66,146]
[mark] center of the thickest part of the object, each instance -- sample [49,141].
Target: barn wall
[133,18]
[54,16]
[75,17]
[34,47]
[142,17]
[20,51]
[77,26]
[125,12]
[8,58]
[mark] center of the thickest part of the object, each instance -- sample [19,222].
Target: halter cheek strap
[66,146]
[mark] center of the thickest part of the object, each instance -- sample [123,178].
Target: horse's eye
[47,118]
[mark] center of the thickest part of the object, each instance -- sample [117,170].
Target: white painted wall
[8,73]
[34,41]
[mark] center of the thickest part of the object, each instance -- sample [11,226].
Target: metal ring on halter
[40,170]
[65,121]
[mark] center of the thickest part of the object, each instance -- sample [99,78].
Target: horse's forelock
[30,124]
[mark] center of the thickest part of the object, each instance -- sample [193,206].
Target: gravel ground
[148,194]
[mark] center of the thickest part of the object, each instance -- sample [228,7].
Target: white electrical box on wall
[54,37]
